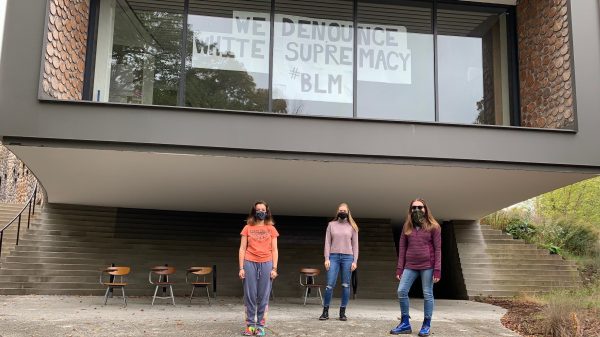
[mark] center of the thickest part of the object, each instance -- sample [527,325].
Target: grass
[576,312]
[586,296]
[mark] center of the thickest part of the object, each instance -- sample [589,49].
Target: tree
[158,45]
[577,202]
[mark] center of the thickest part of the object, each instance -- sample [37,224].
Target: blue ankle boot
[403,328]
[425,328]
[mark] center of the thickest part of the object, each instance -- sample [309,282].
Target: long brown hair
[251,220]
[350,218]
[429,224]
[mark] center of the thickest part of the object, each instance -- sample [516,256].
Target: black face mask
[342,215]
[418,217]
[260,215]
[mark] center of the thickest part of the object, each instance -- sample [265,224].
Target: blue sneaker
[425,327]
[403,328]
[260,331]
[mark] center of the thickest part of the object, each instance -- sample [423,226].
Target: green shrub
[581,239]
[503,218]
[577,238]
[552,248]
[520,229]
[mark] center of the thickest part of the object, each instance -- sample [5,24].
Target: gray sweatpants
[257,288]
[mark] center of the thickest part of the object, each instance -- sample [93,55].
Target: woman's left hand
[273,274]
[353,267]
[436,279]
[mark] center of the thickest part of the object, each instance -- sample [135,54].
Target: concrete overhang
[226,181]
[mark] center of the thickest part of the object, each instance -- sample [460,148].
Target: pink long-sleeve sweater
[341,238]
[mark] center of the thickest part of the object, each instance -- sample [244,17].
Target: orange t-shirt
[260,238]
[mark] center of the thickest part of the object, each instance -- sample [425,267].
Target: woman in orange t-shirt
[258,259]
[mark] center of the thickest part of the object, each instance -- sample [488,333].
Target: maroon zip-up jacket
[421,250]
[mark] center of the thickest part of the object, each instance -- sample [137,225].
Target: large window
[473,66]
[414,60]
[227,63]
[313,57]
[138,52]
[396,60]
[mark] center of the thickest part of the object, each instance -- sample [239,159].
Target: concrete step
[474,295]
[510,259]
[488,240]
[518,274]
[515,282]
[517,289]
[48,266]
[145,255]
[124,220]
[503,252]
[537,253]
[493,264]
[560,276]
[520,266]
[29,272]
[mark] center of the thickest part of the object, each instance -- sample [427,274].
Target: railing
[29,205]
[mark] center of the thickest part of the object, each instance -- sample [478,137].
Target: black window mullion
[183,49]
[90,57]
[435,60]
[271,47]
[513,68]
[354,62]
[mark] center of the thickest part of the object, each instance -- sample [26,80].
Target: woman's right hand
[242,274]
[327,264]
[398,277]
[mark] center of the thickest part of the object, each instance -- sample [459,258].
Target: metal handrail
[31,205]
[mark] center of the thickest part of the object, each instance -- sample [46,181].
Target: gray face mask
[261,215]
[417,216]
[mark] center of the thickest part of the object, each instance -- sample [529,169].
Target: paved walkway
[86,316]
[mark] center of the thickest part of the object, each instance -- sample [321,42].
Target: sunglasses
[417,207]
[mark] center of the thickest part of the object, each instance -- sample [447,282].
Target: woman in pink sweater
[420,254]
[341,254]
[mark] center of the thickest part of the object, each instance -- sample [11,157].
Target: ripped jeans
[339,262]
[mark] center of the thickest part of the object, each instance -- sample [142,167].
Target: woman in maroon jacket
[420,254]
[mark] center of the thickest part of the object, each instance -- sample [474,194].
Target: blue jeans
[408,278]
[339,262]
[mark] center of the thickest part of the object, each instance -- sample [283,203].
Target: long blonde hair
[350,218]
[429,224]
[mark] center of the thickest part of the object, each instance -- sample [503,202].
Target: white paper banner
[246,48]
[312,58]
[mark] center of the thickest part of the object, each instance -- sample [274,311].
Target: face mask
[417,217]
[260,215]
[342,215]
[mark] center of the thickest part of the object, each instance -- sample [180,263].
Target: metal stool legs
[172,297]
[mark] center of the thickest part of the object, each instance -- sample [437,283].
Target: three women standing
[419,255]
[258,259]
[341,255]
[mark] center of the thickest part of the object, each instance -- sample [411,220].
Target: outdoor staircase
[7,213]
[68,245]
[495,264]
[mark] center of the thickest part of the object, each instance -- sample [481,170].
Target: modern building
[164,108]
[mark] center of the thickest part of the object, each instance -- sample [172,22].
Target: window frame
[512,44]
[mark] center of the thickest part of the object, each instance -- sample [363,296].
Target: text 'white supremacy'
[241,45]
[305,46]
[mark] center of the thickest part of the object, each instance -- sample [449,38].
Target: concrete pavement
[87,316]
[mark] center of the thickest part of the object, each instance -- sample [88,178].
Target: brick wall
[545,64]
[65,49]
[16,182]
